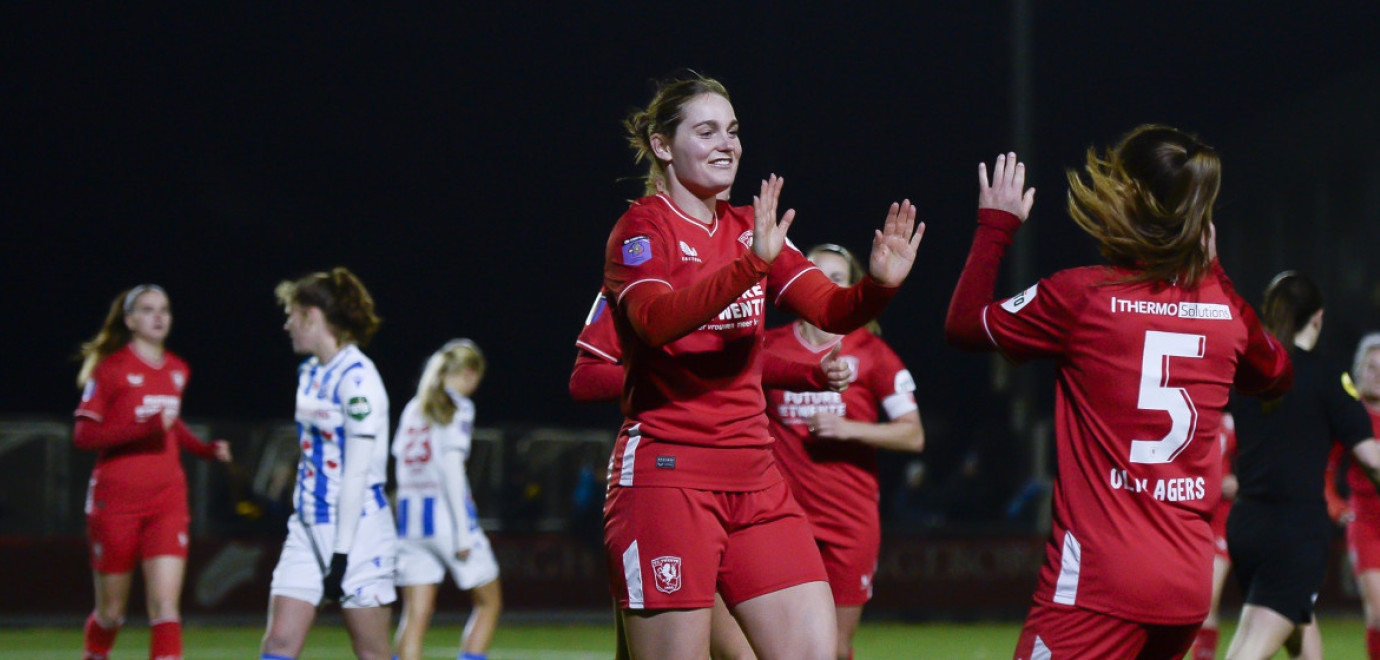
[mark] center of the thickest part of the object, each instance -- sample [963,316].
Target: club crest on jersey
[1016,302]
[135,379]
[853,366]
[358,408]
[746,239]
[637,250]
[688,253]
[667,573]
[179,380]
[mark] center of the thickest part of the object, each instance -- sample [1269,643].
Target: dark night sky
[467,163]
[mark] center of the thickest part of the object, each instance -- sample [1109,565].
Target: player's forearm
[453,467]
[782,373]
[188,441]
[659,316]
[92,435]
[902,434]
[977,284]
[594,380]
[352,487]
[833,308]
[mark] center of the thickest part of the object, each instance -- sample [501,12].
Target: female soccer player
[826,443]
[136,508]
[437,525]
[340,543]
[1205,642]
[694,498]
[1279,528]
[1146,349]
[1362,518]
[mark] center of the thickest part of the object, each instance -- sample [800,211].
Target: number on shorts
[1156,394]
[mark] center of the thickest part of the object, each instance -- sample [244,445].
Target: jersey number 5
[1156,394]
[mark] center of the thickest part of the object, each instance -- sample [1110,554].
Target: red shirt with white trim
[836,481]
[1364,500]
[1144,371]
[126,397]
[694,407]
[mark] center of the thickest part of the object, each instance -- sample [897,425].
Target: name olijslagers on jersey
[749,306]
[1183,310]
[803,405]
[1182,489]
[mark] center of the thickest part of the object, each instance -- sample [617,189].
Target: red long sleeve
[594,380]
[92,435]
[660,317]
[193,444]
[1265,370]
[977,285]
[782,373]
[833,308]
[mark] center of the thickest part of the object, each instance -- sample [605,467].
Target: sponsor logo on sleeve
[1016,302]
[637,250]
[667,572]
[358,408]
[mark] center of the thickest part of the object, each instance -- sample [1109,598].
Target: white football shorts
[368,579]
[425,560]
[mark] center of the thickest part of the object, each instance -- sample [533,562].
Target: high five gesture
[894,245]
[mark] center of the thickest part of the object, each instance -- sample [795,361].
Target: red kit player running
[1147,349]
[136,508]
[827,441]
[695,501]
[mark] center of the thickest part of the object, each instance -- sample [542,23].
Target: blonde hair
[455,356]
[1148,202]
[114,334]
[342,299]
[855,272]
[1369,342]
[661,117]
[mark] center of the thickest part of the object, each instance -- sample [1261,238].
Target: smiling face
[702,157]
[834,267]
[150,317]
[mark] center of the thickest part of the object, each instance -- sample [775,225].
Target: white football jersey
[423,509]
[336,402]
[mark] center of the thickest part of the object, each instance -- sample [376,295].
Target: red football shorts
[851,565]
[1219,532]
[120,540]
[671,548]
[1059,631]
[1363,543]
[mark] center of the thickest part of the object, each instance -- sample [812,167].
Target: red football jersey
[125,390]
[1144,371]
[694,407]
[598,336]
[834,481]
[1364,500]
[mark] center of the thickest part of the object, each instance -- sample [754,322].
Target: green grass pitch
[1343,637]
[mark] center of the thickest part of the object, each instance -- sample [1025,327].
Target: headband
[139,291]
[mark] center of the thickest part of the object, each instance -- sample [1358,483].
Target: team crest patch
[179,379]
[637,250]
[667,573]
[358,408]
[746,239]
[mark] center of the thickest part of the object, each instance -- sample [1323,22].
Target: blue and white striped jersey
[338,401]
[423,508]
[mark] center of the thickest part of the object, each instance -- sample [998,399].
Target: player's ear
[661,147]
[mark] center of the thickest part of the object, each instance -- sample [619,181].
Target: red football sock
[1205,645]
[165,641]
[98,639]
[1373,643]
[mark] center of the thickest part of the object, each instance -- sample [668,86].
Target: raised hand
[836,372]
[222,451]
[1007,191]
[894,246]
[768,235]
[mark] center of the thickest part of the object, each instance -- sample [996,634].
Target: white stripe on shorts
[625,478]
[1070,563]
[632,574]
[1040,652]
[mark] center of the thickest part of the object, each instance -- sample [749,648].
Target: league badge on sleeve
[637,250]
[358,408]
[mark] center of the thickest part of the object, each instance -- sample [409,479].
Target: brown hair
[114,334]
[456,356]
[661,117]
[855,272]
[1148,202]
[342,299]
[1290,300]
